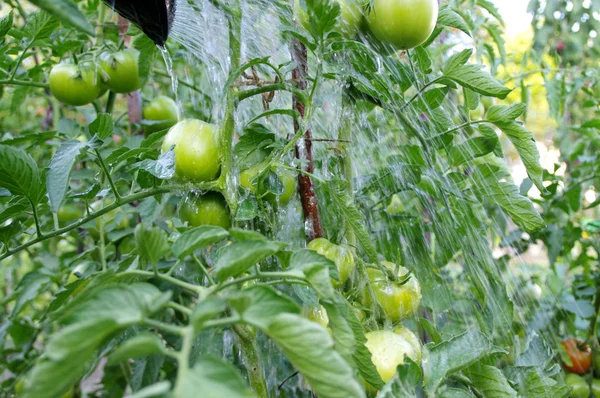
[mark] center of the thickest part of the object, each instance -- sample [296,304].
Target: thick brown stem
[308,196]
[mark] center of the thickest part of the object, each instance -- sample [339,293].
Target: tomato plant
[221,229]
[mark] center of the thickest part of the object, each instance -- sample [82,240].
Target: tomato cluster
[392,24]
[579,364]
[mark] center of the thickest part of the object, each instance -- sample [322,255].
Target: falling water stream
[201,30]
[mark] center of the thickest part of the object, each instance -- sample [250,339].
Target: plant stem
[176,330]
[108,176]
[188,286]
[38,227]
[261,275]
[178,307]
[124,200]
[15,82]
[308,196]
[345,134]
[110,102]
[251,358]
[203,268]
[184,360]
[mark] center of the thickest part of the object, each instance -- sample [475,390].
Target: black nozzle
[153,17]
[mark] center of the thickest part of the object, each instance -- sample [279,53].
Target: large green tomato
[389,349]
[317,314]
[580,388]
[398,301]
[163,112]
[197,155]
[348,22]
[402,24]
[75,85]
[288,178]
[340,255]
[208,209]
[122,71]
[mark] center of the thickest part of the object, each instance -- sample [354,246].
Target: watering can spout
[153,17]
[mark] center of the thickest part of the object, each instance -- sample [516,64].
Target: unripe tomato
[580,388]
[197,155]
[398,301]
[402,24]
[207,209]
[122,71]
[487,102]
[596,388]
[340,255]
[389,349]
[75,85]
[317,314]
[533,291]
[163,112]
[477,113]
[348,22]
[580,355]
[288,178]
[69,213]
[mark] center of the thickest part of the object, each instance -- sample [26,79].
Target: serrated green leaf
[30,287]
[506,195]
[238,257]
[448,17]
[196,238]
[524,141]
[6,24]
[151,243]
[478,80]
[19,173]
[211,377]
[147,50]
[40,25]
[141,345]
[453,356]
[310,350]
[501,113]
[57,179]
[490,381]
[492,9]
[263,304]
[471,149]
[103,126]
[67,12]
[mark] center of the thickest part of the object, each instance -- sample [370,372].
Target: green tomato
[69,213]
[122,72]
[197,155]
[389,349]
[596,388]
[317,314]
[580,388]
[533,291]
[163,112]
[208,209]
[399,302]
[487,101]
[348,22]
[402,24]
[340,255]
[75,85]
[287,177]
[477,113]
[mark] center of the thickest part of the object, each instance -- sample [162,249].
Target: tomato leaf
[57,179]
[453,356]
[151,243]
[144,344]
[238,257]
[196,238]
[66,11]
[213,378]
[19,173]
[490,381]
[309,348]
[261,304]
